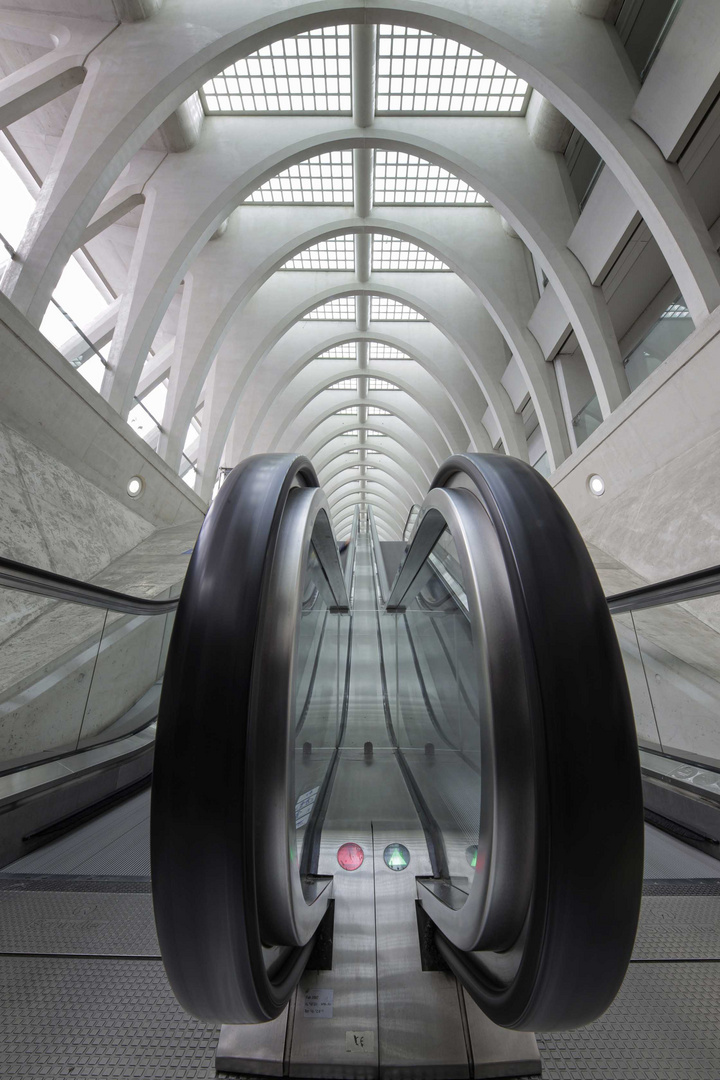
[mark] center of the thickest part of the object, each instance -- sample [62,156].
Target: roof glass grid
[327,178]
[356,450]
[678,310]
[348,434]
[344,384]
[310,73]
[380,351]
[391,253]
[349,410]
[385,309]
[335,254]
[400,178]
[341,309]
[381,384]
[345,351]
[418,72]
[374,434]
[375,410]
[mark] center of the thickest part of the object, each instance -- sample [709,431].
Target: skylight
[349,410]
[418,72]
[344,351]
[401,178]
[341,309]
[327,178]
[375,410]
[384,309]
[346,434]
[145,417]
[344,384]
[678,310]
[356,450]
[335,254]
[380,351]
[373,433]
[381,384]
[391,253]
[309,73]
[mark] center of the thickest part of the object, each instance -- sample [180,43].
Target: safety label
[303,807]
[319,1004]
[360,1042]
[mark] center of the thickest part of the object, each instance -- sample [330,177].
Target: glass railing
[669,637]
[80,666]
[587,420]
[664,336]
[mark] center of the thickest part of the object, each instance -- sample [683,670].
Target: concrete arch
[385,467]
[434,434]
[566,56]
[392,514]
[453,385]
[408,466]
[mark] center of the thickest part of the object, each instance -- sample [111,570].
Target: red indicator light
[351,856]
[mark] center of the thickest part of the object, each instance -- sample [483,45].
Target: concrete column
[362,312]
[547,127]
[363,59]
[362,181]
[363,256]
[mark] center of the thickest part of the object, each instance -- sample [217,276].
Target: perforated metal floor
[83,994]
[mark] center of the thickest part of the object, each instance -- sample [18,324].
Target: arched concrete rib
[420,423]
[390,509]
[395,491]
[307,383]
[432,357]
[138,76]
[416,413]
[407,465]
[402,487]
[516,171]
[381,465]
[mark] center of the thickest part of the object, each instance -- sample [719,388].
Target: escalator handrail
[31,579]
[379,562]
[674,590]
[207,894]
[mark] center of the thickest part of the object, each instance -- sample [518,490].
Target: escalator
[381,819]
[396,809]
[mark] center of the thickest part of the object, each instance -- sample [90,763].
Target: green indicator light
[471,855]
[396,856]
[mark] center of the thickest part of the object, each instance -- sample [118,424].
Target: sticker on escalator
[303,807]
[360,1042]
[319,1004]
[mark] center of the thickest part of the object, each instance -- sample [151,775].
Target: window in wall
[418,72]
[400,178]
[381,384]
[342,309]
[384,309]
[193,434]
[327,178]
[380,351]
[391,253]
[375,410]
[335,254]
[344,384]
[345,351]
[587,420]
[145,417]
[663,338]
[310,73]
[543,465]
[190,475]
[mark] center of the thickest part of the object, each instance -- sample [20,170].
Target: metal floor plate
[77,923]
[117,843]
[678,928]
[662,1026]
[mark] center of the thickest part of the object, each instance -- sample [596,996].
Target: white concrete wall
[65,460]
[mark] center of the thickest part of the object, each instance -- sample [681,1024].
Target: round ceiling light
[596,485]
[135,486]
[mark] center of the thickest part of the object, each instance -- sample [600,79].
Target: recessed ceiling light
[596,485]
[135,486]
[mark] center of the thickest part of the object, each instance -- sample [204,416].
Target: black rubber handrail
[672,591]
[15,575]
